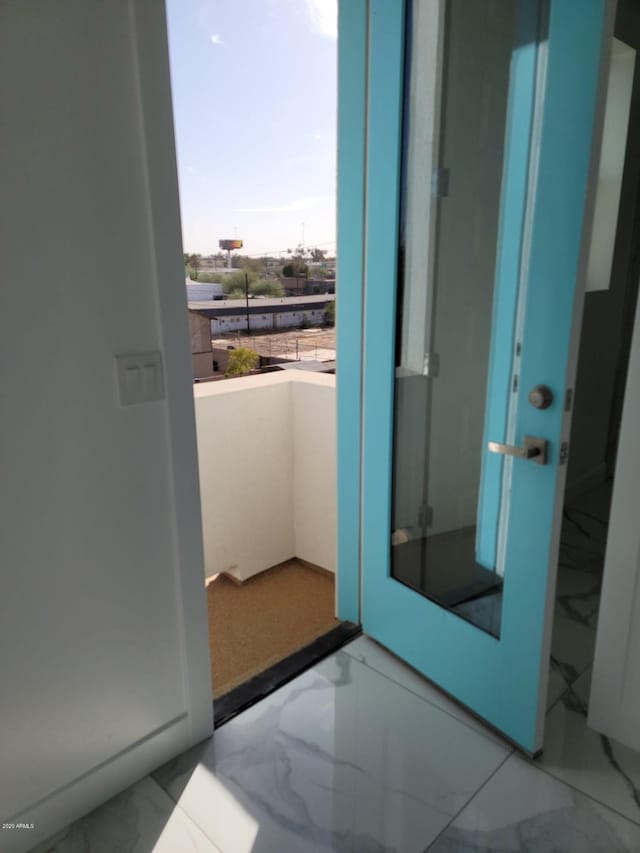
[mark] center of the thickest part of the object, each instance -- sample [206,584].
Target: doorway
[258,227]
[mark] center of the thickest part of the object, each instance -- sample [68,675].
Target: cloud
[324,17]
[216,38]
[293,206]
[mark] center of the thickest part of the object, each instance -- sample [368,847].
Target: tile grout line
[490,736]
[469,801]
[511,748]
[619,769]
[569,685]
[185,814]
[164,790]
[573,787]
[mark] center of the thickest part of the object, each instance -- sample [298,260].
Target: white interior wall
[616,671]
[99,539]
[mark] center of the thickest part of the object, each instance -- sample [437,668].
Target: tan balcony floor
[255,624]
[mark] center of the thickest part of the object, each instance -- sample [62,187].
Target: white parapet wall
[267,462]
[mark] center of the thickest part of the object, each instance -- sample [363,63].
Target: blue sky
[254,99]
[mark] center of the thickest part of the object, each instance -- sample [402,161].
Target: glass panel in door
[445,527]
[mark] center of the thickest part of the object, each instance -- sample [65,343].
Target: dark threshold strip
[260,686]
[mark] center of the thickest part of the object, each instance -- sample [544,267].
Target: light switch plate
[140,378]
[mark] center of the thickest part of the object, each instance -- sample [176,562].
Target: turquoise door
[465,144]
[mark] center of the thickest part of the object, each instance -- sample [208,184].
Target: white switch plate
[140,378]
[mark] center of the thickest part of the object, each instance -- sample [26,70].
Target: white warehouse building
[230,315]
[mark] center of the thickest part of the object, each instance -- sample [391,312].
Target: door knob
[532,448]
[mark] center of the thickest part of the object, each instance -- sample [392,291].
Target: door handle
[532,448]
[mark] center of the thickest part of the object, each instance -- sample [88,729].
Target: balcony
[267,465]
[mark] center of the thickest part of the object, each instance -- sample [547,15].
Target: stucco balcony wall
[267,464]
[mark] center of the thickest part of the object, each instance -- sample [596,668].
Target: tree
[193,264]
[241,361]
[236,281]
[317,255]
[267,287]
[330,313]
[248,264]
[236,293]
[295,269]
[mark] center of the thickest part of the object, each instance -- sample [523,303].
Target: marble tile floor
[579,579]
[361,754]
[597,765]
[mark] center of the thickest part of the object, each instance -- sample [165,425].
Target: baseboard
[589,480]
[239,582]
[95,787]
[316,568]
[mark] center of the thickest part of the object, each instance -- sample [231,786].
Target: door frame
[359,435]
[157,132]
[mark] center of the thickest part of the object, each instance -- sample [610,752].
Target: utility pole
[246,292]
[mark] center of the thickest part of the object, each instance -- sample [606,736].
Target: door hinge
[564,453]
[514,384]
[431,364]
[568,399]
[440,182]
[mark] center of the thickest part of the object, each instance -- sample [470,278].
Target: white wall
[101,561]
[314,469]
[245,438]
[614,704]
[267,460]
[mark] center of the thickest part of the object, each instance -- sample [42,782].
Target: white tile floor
[360,754]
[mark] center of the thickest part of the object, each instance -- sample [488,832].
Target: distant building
[202,362]
[202,291]
[230,315]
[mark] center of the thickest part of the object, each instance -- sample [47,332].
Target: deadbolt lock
[541,397]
